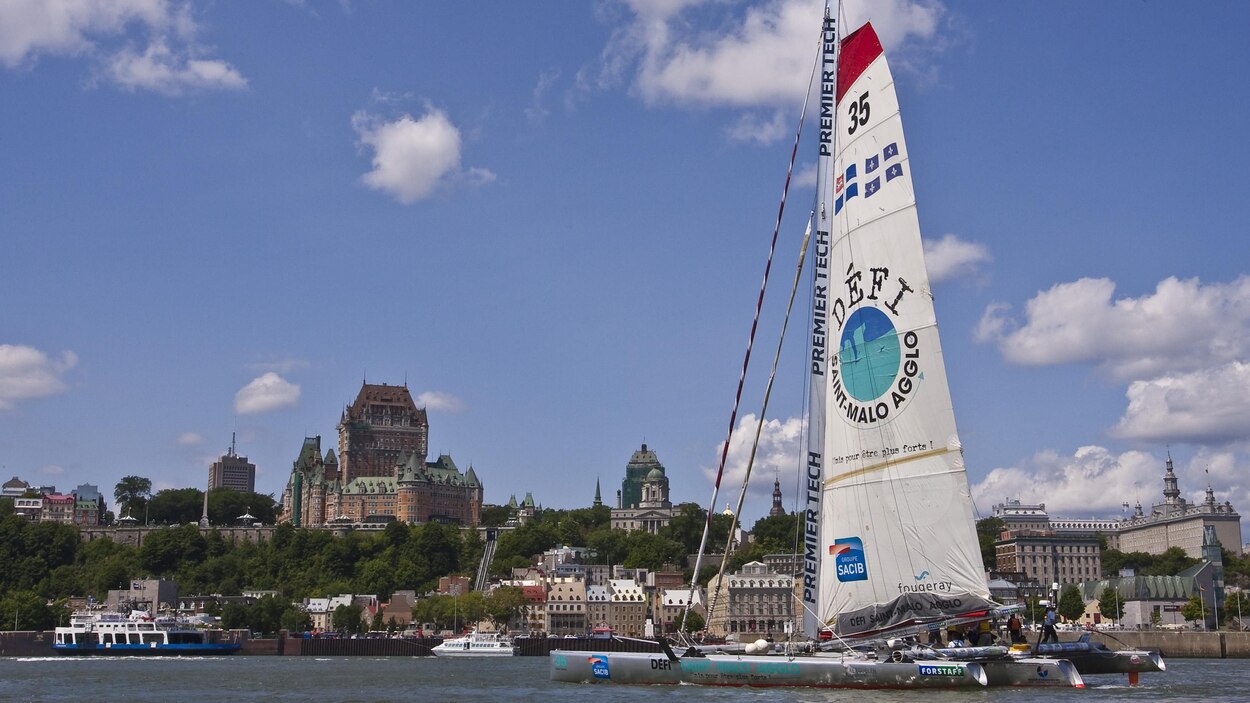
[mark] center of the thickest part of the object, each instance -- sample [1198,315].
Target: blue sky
[551,219]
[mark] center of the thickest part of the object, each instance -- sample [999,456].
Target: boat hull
[147,650]
[819,671]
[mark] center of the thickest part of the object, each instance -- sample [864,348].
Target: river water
[433,680]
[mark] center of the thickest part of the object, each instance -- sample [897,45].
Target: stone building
[566,606]
[383,425]
[752,603]
[380,428]
[1046,556]
[643,502]
[1178,523]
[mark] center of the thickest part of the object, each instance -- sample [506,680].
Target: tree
[348,619]
[775,533]
[131,490]
[1111,604]
[689,621]
[176,506]
[988,530]
[1194,610]
[504,605]
[1071,606]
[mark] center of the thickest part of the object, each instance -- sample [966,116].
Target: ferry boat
[136,633]
[476,644]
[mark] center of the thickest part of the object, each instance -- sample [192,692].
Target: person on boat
[935,637]
[1048,627]
[985,635]
[1015,629]
[954,638]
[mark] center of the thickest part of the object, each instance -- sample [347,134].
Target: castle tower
[381,425]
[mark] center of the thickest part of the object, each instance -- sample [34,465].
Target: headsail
[899,547]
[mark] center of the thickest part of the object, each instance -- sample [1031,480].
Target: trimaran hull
[815,671]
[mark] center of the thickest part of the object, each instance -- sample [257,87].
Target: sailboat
[890,544]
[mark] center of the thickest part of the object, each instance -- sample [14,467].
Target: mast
[812,501]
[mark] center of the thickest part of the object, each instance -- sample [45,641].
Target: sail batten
[899,548]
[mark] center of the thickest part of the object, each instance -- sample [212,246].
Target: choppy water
[367,680]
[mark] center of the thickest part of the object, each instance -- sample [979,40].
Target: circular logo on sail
[877,369]
[870,354]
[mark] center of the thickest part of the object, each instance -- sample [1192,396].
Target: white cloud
[171,63]
[1182,327]
[164,71]
[26,372]
[51,470]
[1092,482]
[779,447]
[412,158]
[440,401]
[753,127]
[537,110]
[1095,482]
[266,393]
[1209,405]
[952,257]
[190,439]
[763,58]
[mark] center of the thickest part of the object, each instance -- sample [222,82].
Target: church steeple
[776,509]
[1171,492]
[598,499]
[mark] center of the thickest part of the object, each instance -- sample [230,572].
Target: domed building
[643,503]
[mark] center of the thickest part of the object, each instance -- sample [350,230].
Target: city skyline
[550,223]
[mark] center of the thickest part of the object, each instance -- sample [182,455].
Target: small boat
[476,644]
[135,633]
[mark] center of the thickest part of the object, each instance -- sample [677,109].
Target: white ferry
[137,633]
[476,644]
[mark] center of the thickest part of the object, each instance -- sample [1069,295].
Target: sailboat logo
[848,554]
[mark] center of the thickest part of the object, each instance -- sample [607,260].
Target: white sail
[899,547]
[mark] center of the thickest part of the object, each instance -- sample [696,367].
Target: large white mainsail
[898,547]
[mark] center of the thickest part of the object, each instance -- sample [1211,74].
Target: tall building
[640,466]
[232,471]
[643,502]
[1178,523]
[380,472]
[380,426]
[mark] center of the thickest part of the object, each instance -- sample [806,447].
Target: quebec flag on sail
[851,189]
[872,163]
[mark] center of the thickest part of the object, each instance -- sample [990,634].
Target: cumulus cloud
[761,129]
[951,257]
[1183,326]
[26,373]
[1209,405]
[171,62]
[1096,482]
[190,439]
[413,157]
[439,401]
[759,59]
[161,70]
[1093,481]
[266,393]
[51,470]
[779,447]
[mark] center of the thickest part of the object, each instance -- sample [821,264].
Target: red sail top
[859,49]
